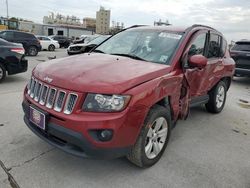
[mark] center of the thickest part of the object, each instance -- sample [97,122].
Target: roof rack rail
[200,25]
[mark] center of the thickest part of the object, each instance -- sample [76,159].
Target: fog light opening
[105,135]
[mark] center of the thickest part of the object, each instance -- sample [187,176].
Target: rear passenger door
[215,66]
[21,38]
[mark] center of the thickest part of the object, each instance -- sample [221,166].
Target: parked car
[12,59]
[240,52]
[30,43]
[85,39]
[86,47]
[124,98]
[48,44]
[62,40]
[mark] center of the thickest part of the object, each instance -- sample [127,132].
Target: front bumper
[17,67]
[242,72]
[75,142]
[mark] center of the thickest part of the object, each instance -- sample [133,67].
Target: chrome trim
[41,100]
[32,92]
[68,110]
[56,108]
[48,105]
[38,92]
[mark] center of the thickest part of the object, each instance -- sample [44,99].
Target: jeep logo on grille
[47,79]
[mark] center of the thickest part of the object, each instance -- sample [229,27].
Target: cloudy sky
[232,17]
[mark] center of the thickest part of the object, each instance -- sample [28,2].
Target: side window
[21,35]
[214,46]
[223,47]
[8,35]
[45,38]
[197,47]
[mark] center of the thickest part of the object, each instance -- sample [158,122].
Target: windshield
[99,40]
[154,46]
[242,46]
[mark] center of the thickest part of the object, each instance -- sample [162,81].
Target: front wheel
[217,98]
[153,138]
[32,51]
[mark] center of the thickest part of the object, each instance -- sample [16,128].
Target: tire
[217,98]
[2,72]
[32,51]
[138,154]
[51,47]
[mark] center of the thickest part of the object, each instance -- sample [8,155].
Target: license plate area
[38,118]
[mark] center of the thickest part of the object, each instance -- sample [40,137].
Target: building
[61,19]
[102,21]
[89,23]
[116,27]
[54,29]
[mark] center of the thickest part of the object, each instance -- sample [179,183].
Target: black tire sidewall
[159,112]
[51,47]
[4,72]
[33,48]
[213,107]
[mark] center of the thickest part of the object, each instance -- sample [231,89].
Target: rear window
[3,42]
[24,35]
[243,46]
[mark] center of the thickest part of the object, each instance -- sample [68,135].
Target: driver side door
[196,78]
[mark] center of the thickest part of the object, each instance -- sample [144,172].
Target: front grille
[51,97]
[70,103]
[59,101]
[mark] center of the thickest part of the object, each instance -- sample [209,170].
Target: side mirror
[198,61]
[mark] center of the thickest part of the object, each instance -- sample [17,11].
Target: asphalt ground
[206,150]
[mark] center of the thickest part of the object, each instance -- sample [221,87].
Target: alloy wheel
[220,97]
[156,137]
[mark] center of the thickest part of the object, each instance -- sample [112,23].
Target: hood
[80,44]
[98,73]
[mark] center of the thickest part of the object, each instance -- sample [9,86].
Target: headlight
[105,103]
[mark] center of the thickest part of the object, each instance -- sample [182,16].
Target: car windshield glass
[98,40]
[242,47]
[152,45]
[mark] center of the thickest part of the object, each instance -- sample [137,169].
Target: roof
[159,28]
[172,28]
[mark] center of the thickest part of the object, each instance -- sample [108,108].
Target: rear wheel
[217,98]
[153,138]
[2,72]
[51,47]
[32,51]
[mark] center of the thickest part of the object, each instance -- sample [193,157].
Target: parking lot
[206,150]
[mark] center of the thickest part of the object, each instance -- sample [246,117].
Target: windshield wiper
[98,51]
[130,56]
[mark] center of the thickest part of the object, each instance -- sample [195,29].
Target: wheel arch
[166,102]
[227,81]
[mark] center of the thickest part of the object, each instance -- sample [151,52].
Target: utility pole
[7,8]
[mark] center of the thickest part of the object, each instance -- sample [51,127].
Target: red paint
[147,83]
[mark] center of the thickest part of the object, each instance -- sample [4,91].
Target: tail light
[18,50]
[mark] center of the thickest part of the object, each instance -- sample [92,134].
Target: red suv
[124,97]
